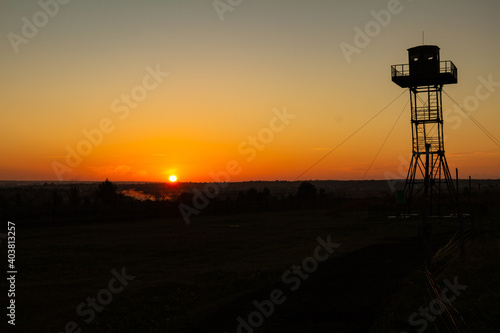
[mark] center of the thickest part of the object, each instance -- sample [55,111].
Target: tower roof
[424,47]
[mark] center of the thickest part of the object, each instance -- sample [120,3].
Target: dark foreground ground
[346,295]
[205,276]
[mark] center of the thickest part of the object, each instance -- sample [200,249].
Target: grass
[185,275]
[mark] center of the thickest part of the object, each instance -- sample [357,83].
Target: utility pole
[426,225]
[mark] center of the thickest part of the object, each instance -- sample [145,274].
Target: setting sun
[172,178]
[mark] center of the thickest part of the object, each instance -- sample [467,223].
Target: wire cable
[481,127]
[383,143]
[350,136]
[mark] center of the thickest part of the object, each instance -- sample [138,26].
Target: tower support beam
[428,177]
[428,151]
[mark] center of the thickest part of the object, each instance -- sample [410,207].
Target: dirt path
[345,294]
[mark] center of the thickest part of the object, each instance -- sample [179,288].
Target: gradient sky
[225,79]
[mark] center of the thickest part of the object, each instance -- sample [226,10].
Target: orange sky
[226,82]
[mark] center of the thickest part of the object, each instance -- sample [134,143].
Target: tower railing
[400,70]
[445,67]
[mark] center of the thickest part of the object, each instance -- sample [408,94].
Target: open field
[203,276]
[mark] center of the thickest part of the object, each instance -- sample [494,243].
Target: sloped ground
[345,294]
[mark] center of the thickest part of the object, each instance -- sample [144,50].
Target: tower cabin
[424,68]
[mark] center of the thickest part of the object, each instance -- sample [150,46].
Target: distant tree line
[103,201]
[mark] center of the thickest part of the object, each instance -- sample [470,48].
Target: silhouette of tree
[252,194]
[106,192]
[306,190]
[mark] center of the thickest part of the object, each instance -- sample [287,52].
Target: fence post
[461,221]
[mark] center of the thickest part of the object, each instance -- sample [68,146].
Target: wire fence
[444,261]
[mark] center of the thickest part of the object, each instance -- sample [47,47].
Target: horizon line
[204,182]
